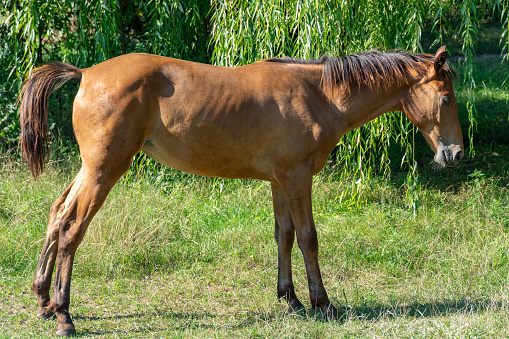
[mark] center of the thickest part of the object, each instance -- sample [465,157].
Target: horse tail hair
[33,113]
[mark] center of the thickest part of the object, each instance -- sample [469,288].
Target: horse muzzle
[448,156]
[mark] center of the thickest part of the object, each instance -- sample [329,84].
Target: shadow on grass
[465,306]
[206,320]
[181,321]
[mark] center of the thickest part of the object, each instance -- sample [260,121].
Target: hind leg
[80,208]
[42,280]
[103,164]
[111,122]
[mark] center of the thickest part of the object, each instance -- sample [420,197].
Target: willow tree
[236,32]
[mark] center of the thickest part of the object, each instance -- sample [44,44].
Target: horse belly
[205,160]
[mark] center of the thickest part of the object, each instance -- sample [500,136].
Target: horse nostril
[458,156]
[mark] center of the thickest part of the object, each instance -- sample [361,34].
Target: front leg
[297,186]
[285,235]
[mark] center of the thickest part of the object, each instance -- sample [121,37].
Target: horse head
[431,105]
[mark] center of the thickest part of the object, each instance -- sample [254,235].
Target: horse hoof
[45,315]
[295,306]
[70,332]
[331,313]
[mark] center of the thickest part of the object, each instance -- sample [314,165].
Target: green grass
[196,258]
[174,255]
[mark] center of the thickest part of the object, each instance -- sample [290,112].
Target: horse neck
[359,105]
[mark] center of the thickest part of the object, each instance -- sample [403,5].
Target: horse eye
[445,101]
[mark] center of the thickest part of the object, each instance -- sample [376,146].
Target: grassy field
[181,256]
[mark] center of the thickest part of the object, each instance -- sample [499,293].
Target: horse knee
[287,238]
[308,240]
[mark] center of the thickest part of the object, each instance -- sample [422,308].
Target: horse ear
[440,58]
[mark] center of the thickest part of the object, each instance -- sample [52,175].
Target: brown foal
[274,120]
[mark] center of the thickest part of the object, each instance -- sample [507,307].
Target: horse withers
[275,120]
